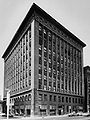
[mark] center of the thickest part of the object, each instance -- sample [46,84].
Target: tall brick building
[43,67]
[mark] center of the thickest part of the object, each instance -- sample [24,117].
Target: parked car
[86,114]
[17,114]
[72,114]
[2,114]
[5,115]
[79,113]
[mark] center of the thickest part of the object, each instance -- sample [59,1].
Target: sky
[72,14]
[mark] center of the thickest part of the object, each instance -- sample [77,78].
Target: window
[29,72]
[73,100]
[45,63]
[50,84]
[40,60]
[49,34]
[30,32]
[40,70]
[69,100]
[40,52]
[40,41]
[62,99]
[50,97]
[45,54]
[30,44]
[66,99]
[40,30]
[29,97]
[88,84]
[59,98]
[40,84]
[45,97]
[40,97]
[78,100]
[45,72]
[81,101]
[55,98]
[45,43]
[45,34]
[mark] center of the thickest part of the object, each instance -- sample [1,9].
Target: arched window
[26,98]
[29,97]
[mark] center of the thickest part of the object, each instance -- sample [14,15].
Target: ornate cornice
[58,32]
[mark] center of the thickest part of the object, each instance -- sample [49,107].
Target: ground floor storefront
[45,103]
[22,105]
[58,110]
[24,109]
[19,105]
[51,103]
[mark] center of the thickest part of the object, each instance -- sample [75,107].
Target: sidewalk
[42,117]
[61,117]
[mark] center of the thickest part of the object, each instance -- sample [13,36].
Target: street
[50,118]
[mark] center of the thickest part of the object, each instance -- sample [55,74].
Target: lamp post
[8,100]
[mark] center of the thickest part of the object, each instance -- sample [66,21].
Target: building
[1,103]
[87,88]
[43,67]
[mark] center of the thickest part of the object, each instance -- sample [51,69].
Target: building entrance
[59,112]
[28,111]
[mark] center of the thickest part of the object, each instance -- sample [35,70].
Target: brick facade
[44,67]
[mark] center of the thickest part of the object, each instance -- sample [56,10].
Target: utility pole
[8,100]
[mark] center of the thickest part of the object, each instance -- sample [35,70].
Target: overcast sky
[72,14]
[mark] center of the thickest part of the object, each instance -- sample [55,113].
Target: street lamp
[8,100]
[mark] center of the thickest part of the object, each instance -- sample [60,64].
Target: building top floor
[87,70]
[40,15]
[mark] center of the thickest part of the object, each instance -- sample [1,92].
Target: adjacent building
[87,88]
[43,67]
[1,104]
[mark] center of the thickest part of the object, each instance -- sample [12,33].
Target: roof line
[37,9]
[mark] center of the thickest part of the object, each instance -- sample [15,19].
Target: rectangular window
[50,97]
[69,100]
[45,97]
[72,100]
[55,98]
[40,70]
[79,100]
[40,41]
[75,100]
[62,99]
[40,97]
[40,84]
[88,84]
[59,98]
[40,30]
[45,33]
[40,51]
[66,99]
[40,60]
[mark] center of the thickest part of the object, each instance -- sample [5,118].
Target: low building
[1,104]
[43,67]
[87,88]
